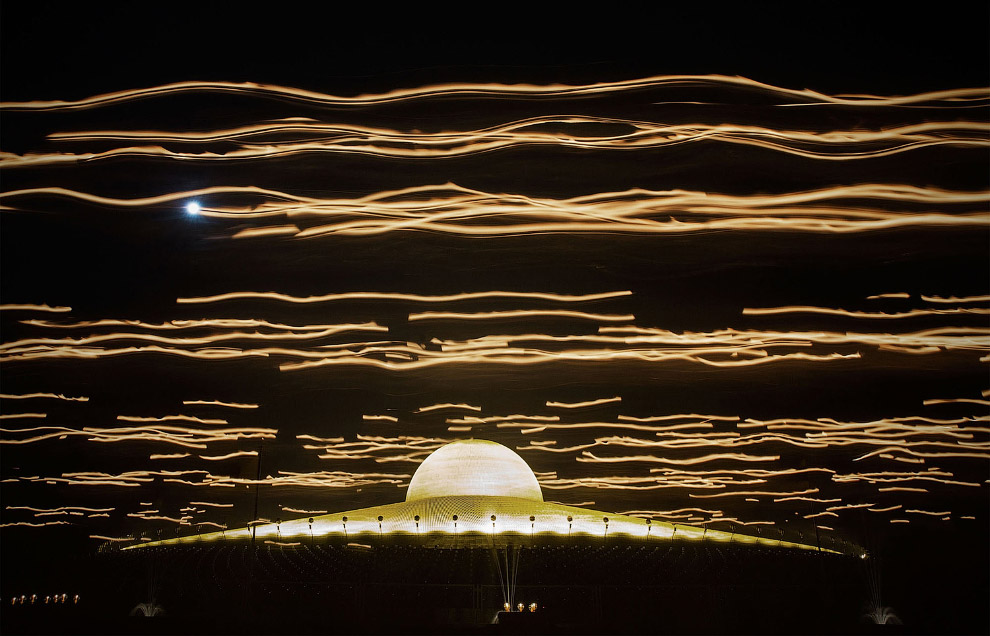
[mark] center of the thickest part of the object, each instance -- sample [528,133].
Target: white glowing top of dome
[474,467]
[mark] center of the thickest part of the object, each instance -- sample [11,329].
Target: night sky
[692,265]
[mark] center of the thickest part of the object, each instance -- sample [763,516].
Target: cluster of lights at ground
[53,599]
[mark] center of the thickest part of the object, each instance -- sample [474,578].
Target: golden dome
[474,467]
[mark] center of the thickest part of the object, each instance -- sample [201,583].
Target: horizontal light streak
[202,340]
[519,356]
[914,313]
[579,405]
[889,295]
[19,416]
[516,417]
[59,509]
[379,418]
[170,418]
[231,405]
[788,96]
[751,493]
[957,401]
[953,299]
[587,456]
[447,405]
[205,323]
[230,455]
[29,524]
[418,298]
[31,307]
[520,313]
[293,136]
[178,435]
[452,209]
[54,396]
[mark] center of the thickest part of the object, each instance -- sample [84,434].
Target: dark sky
[108,260]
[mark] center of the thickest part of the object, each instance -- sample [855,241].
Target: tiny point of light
[193,208]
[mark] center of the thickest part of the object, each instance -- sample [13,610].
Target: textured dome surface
[474,467]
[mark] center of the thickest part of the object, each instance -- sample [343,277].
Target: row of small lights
[532,520]
[58,598]
[521,607]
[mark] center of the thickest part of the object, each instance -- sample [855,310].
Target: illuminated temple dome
[474,492]
[474,467]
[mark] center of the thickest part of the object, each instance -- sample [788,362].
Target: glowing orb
[474,467]
[193,208]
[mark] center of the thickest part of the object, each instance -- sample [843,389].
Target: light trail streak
[914,313]
[885,477]
[890,295]
[447,405]
[517,356]
[418,298]
[168,456]
[452,209]
[502,418]
[29,524]
[579,405]
[809,499]
[379,418]
[520,313]
[181,436]
[18,416]
[851,506]
[332,440]
[953,299]
[751,493]
[212,504]
[638,135]
[54,396]
[790,97]
[230,455]
[232,405]
[170,418]
[586,456]
[59,509]
[956,400]
[303,512]
[705,419]
[213,323]
[202,340]
[91,353]
[30,307]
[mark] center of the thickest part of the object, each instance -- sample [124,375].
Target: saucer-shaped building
[474,534]
[475,492]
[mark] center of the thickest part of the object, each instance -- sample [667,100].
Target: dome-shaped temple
[474,467]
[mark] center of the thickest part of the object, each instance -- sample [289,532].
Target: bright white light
[193,208]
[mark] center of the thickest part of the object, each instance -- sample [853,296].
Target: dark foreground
[325,588]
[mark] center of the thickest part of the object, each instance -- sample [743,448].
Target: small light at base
[532,607]
[193,208]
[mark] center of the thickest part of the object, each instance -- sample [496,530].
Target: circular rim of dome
[474,467]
